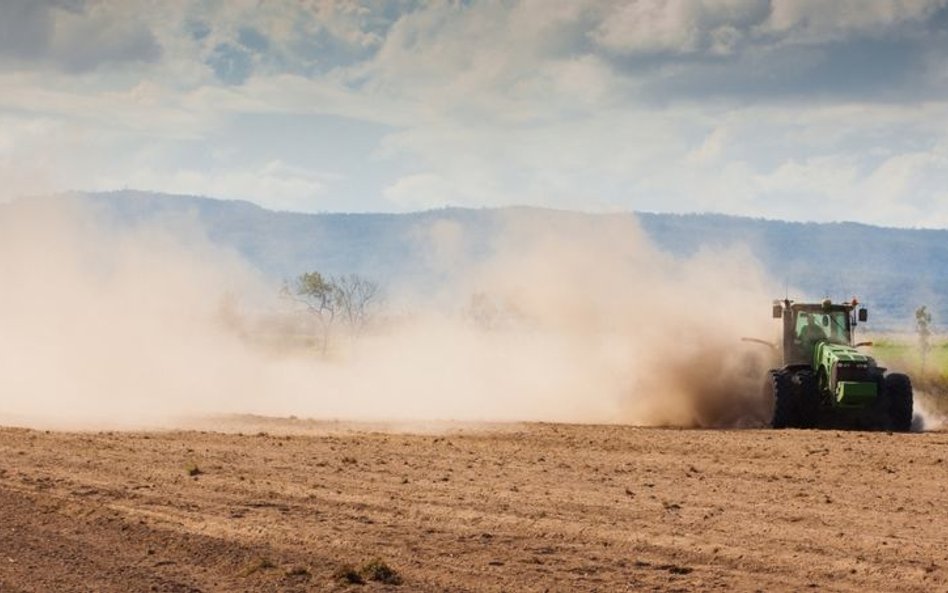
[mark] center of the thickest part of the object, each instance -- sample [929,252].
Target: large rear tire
[785,400]
[898,389]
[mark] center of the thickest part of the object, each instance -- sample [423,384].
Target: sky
[809,110]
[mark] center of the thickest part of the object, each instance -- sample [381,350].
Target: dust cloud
[927,415]
[569,319]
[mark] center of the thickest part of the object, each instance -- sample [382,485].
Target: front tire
[808,399]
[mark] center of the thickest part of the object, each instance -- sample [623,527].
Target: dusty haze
[575,320]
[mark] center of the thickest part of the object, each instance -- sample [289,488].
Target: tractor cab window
[813,326]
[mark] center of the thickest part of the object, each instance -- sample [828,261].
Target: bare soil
[304,506]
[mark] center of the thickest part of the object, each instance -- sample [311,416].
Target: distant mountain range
[893,270]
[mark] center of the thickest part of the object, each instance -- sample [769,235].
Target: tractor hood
[827,352]
[849,372]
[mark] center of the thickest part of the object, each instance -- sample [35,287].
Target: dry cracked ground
[265,505]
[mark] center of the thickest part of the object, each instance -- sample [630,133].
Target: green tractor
[825,380]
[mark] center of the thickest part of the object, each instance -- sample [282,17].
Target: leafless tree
[357,297]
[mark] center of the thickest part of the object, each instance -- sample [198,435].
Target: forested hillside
[892,270]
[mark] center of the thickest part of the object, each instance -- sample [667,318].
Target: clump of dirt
[347,574]
[257,565]
[378,570]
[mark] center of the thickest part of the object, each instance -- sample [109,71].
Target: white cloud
[817,21]
[420,191]
[682,105]
[677,26]
[719,27]
[651,26]
[811,179]
[274,184]
[347,20]
[711,148]
[103,33]
[75,37]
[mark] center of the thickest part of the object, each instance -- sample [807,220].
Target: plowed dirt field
[288,505]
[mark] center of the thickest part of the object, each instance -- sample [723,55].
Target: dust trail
[572,319]
[112,325]
[927,417]
[641,337]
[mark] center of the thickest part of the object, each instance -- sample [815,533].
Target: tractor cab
[807,324]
